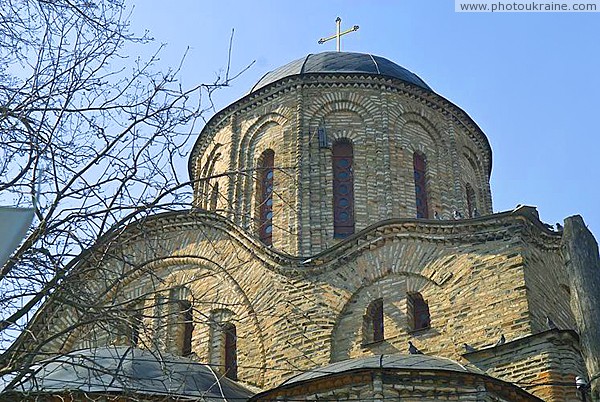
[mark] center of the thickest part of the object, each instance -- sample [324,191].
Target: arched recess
[472,168]
[223,353]
[203,172]
[345,122]
[392,289]
[415,135]
[268,132]
[180,320]
[211,287]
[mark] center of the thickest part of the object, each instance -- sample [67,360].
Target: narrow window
[420,169]
[374,322]
[471,203]
[230,351]
[187,322]
[181,321]
[343,189]
[135,327]
[214,197]
[418,311]
[159,319]
[265,208]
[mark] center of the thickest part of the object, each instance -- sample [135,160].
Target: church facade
[342,245]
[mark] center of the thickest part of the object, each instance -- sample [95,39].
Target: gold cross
[338,22]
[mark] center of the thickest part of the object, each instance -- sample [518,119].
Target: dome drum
[386,130]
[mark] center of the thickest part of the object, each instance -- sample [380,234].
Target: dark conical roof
[341,62]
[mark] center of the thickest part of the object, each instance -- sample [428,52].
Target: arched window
[181,320]
[158,320]
[471,203]
[420,174]
[223,342]
[135,325]
[343,189]
[418,311]
[214,197]
[265,197]
[373,322]
[187,322]
[230,351]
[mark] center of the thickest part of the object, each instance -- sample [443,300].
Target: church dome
[341,62]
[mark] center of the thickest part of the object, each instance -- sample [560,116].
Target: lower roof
[122,369]
[395,361]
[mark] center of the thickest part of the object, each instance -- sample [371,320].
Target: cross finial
[337,36]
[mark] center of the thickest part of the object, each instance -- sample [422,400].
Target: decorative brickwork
[385,128]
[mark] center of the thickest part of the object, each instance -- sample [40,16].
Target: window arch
[373,328]
[343,189]
[420,175]
[417,311]
[471,201]
[265,196]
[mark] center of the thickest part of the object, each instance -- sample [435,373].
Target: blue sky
[530,80]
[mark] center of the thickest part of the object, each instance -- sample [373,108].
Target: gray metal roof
[396,361]
[119,369]
[337,62]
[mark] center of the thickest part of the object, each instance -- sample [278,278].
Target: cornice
[517,225]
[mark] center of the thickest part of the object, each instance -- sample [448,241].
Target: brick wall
[292,317]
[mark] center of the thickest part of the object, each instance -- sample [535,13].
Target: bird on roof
[559,227]
[457,215]
[500,341]
[469,348]
[550,324]
[436,215]
[413,350]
